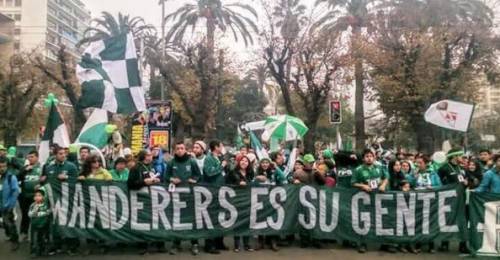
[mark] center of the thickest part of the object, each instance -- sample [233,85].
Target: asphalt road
[330,251]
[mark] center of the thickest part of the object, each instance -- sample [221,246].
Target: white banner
[450,114]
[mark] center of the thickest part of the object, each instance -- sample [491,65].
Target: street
[328,252]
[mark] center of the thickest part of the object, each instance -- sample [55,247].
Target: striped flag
[55,133]
[109,76]
[260,152]
[94,130]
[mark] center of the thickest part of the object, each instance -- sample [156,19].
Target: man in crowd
[142,175]
[452,173]
[9,191]
[213,175]
[369,177]
[29,178]
[199,150]
[84,154]
[182,170]
[491,179]
[278,159]
[485,160]
[60,170]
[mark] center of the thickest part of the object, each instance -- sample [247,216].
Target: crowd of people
[374,170]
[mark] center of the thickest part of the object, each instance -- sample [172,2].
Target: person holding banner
[241,176]
[269,174]
[213,169]
[182,170]
[370,177]
[453,173]
[143,175]
[60,170]
[491,179]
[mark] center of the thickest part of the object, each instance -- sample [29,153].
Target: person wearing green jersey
[369,177]
[120,171]
[29,178]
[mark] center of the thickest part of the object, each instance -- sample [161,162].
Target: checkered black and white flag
[109,76]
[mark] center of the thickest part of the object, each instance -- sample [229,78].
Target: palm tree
[354,14]
[217,16]
[108,26]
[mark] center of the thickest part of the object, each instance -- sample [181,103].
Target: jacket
[160,165]
[490,182]
[212,170]
[138,174]
[101,174]
[120,176]
[54,168]
[184,168]
[39,215]
[9,191]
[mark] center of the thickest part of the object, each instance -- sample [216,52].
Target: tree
[21,86]
[280,47]
[425,51]
[304,62]
[62,73]
[109,26]
[201,58]
[353,14]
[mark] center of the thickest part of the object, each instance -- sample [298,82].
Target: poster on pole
[152,127]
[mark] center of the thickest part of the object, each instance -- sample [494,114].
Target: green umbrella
[285,127]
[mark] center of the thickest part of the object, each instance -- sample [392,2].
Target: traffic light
[335,112]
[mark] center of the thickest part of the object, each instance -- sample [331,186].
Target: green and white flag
[55,133]
[260,152]
[109,76]
[94,130]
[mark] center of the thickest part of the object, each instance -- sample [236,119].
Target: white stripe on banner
[110,102]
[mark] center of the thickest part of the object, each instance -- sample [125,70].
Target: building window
[17,17]
[17,31]
[9,2]
[17,46]
[1,2]
[19,2]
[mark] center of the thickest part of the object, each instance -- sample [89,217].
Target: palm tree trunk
[359,110]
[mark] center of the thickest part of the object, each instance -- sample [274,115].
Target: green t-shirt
[119,175]
[371,175]
[344,176]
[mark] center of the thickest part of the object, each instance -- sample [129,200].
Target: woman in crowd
[268,174]
[407,170]
[241,176]
[474,174]
[92,170]
[396,176]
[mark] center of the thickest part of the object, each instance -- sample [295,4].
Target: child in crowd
[39,214]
